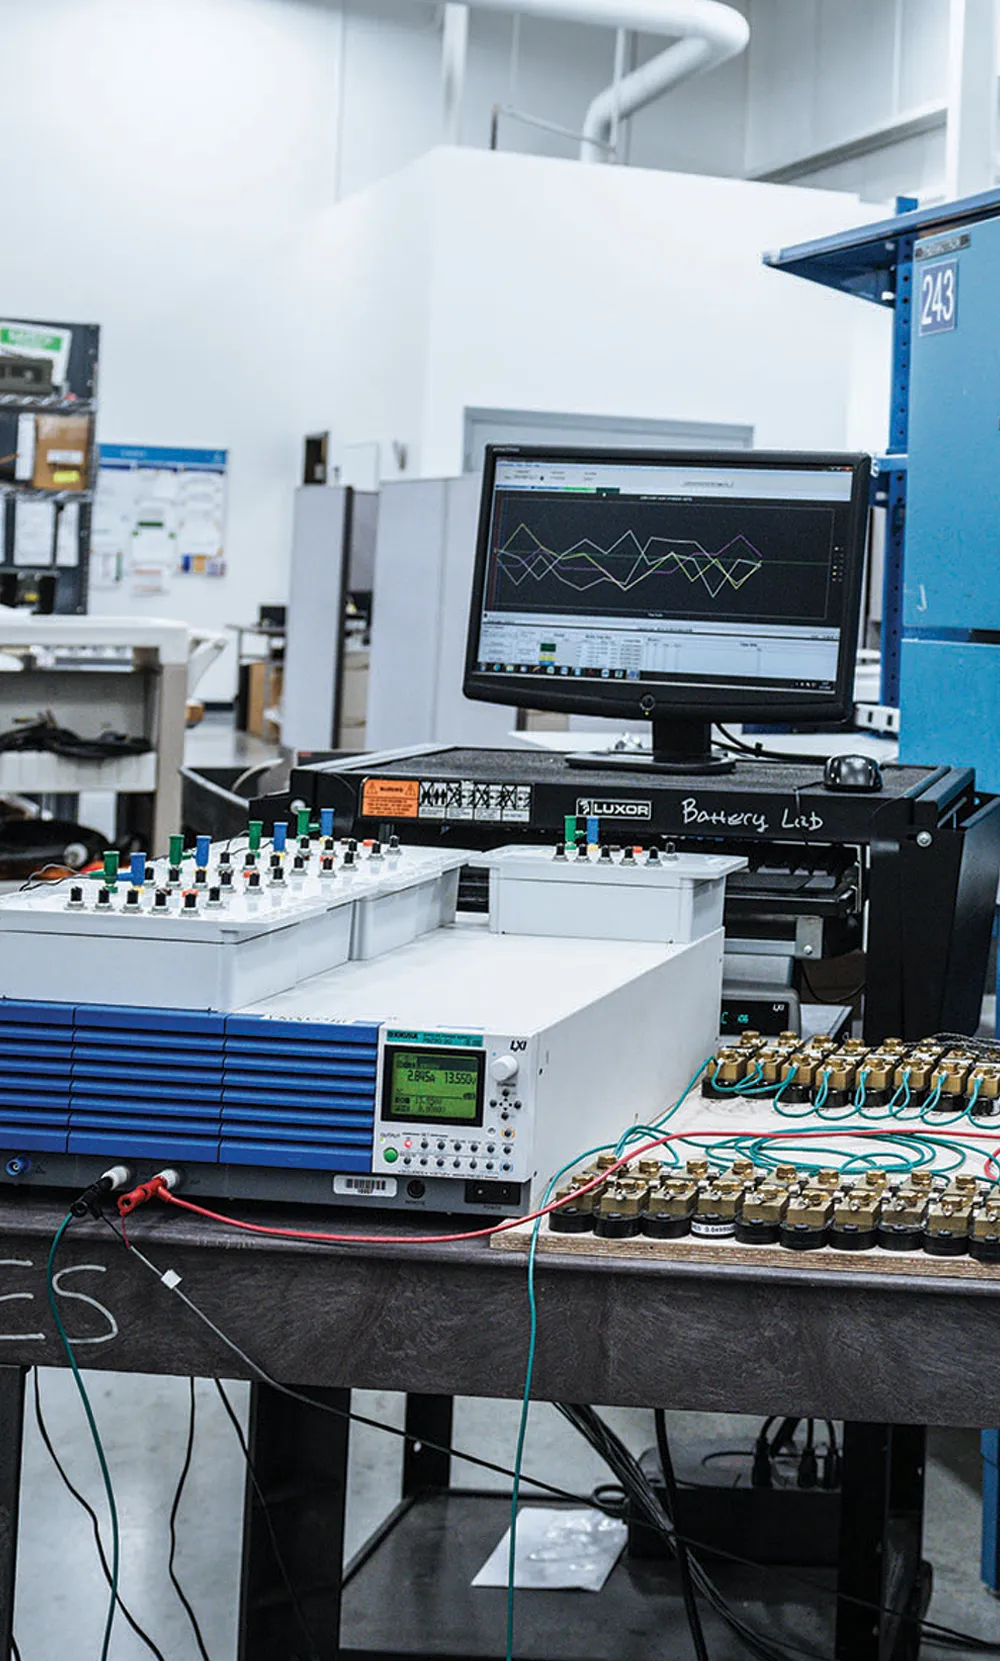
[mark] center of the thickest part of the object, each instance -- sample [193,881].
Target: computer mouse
[852,773]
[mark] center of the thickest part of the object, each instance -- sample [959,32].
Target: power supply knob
[503,1067]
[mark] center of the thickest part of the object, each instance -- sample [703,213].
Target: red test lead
[164,1182]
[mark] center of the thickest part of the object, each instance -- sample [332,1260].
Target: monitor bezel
[627,699]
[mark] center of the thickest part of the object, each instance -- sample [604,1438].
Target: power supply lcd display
[435,1085]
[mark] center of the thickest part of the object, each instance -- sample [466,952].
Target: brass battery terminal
[798,1078]
[619,1209]
[983,1090]
[875,1084]
[901,1220]
[773,1067]
[806,1223]
[716,1207]
[908,1075]
[841,1076]
[729,1068]
[949,1080]
[855,1217]
[966,1183]
[984,1229]
[576,1216]
[669,1208]
[758,1221]
[946,1231]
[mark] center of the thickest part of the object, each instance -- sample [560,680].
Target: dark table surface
[453,1319]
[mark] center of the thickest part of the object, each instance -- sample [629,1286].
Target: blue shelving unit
[876,263]
[940,655]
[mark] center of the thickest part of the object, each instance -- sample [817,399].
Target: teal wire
[522,1428]
[902,1153]
[95,1433]
[742,1086]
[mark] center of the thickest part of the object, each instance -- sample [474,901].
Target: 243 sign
[938,297]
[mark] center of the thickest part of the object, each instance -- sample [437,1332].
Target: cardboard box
[62,452]
[264,694]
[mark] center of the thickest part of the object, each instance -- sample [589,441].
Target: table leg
[424,1467]
[989,1445]
[299,1457]
[11,1430]
[881,1532]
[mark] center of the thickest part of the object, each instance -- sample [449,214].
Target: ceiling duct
[704,33]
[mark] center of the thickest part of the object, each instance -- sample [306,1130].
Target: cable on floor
[265,1509]
[630,1473]
[95,1434]
[680,1548]
[933,1631]
[95,1523]
[174,1508]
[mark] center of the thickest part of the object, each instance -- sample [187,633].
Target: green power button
[390,1156]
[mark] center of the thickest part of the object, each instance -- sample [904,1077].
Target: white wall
[546,285]
[640,293]
[820,72]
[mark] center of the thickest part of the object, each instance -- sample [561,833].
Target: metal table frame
[888,1353]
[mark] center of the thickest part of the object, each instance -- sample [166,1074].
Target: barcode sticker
[365,1185]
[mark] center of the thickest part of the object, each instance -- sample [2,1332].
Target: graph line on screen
[629,561]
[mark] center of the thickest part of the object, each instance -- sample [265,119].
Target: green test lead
[111,868]
[255,831]
[569,825]
[176,853]
[302,822]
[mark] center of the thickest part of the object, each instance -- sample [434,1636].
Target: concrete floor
[61,1594]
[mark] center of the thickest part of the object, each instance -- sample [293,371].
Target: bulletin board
[159,520]
[48,380]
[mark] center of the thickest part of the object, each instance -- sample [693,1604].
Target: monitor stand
[680,745]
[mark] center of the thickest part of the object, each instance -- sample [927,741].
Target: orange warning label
[390,798]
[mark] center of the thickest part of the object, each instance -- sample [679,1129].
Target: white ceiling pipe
[710,34]
[705,33]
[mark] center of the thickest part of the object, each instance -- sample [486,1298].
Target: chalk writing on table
[14,1271]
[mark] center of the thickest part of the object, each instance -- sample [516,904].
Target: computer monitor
[680,588]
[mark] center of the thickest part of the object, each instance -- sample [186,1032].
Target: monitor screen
[649,584]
